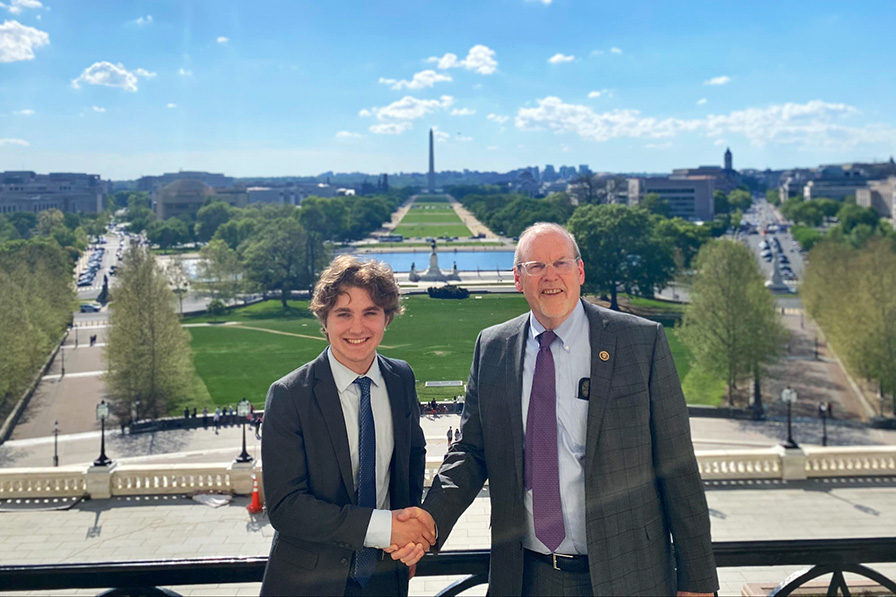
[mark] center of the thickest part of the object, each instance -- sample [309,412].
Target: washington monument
[432,165]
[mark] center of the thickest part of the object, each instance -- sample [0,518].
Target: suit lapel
[327,397]
[603,342]
[397,403]
[513,380]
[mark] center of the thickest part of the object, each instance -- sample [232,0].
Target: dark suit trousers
[540,578]
[383,582]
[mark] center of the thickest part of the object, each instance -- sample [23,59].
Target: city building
[839,181]
[180,197]
[689,198]
[726,178]
[69,192]
[879,195]
[212,179]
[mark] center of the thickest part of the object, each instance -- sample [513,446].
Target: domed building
[181,197]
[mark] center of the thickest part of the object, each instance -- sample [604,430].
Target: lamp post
[788,397]
[102,413]
[823,413]
[56,443]
[242,411]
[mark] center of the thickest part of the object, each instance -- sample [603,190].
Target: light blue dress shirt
[572,362]
[379,529]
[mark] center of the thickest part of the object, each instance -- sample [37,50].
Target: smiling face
[551,296]
[355,327]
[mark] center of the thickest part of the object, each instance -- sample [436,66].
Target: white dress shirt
[379,529]
[572,361]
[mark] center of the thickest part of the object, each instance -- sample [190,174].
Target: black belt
[561,562]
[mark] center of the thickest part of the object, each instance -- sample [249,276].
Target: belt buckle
[554,557]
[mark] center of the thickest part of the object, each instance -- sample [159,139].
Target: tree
[851,215]
[148,352]
[221,273]
[37,298]
[178,280]
[621,250]
[686,238]
[740,199]
[655,204]
[167,233]
[862,328]
[732,325]
[210,217]
[276,258]
[773,196]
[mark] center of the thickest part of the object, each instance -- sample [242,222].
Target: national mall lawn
[241,353]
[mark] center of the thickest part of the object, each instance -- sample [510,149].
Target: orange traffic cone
[255,506]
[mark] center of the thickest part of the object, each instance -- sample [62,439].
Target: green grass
[441,217]
[436,230]
[431,199]
[435,336]
[488,243]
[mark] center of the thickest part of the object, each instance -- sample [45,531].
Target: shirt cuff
[379,529]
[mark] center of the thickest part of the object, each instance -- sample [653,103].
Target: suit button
[343,562]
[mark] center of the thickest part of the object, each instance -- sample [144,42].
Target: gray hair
[542,228]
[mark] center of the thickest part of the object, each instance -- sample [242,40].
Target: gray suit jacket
[308,482]
[642,485]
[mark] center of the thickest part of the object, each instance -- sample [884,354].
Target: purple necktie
[542,469]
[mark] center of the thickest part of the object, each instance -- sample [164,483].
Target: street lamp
[823,413]
[102,413]
[56,443]
[788,397]
[242,411]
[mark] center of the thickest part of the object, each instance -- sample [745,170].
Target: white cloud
[560,58]
[425,78]
[701,101]
[492,148]
[396,117]
[615,50]
[16,6]
[813,124]
[595,94]
[348,135]
[499,118]
[439,136]
[99,109]
[25,112]
[664,145]
[390,128]
[365,113]
[111,75]
[18,42]
[594,53]
[463,138]
[222,39]
[170,105]
[13,141]
[143,21]
[723,80]
[184,72]
[462,112]
[480,59]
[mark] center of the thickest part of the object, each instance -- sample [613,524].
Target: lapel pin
[604,355]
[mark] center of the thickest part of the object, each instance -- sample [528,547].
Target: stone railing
[99,482]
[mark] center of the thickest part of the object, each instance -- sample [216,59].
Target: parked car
[90,307]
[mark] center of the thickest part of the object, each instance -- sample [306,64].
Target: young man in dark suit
[576,417]
[342,448]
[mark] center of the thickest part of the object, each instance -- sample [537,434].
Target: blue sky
[129,88]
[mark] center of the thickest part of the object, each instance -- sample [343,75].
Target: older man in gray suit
[576,417]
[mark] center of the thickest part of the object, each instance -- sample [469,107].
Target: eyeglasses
[537,268]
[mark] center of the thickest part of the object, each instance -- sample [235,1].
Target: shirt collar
[345,377]
[576,321]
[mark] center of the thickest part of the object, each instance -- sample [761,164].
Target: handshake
[413,533]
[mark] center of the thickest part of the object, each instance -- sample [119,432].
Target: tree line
[851,292]
[37,297]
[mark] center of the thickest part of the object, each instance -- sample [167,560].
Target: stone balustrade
[775,463]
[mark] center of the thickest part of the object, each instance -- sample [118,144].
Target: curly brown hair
[375,277]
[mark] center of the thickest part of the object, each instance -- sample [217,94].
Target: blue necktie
[365,559]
